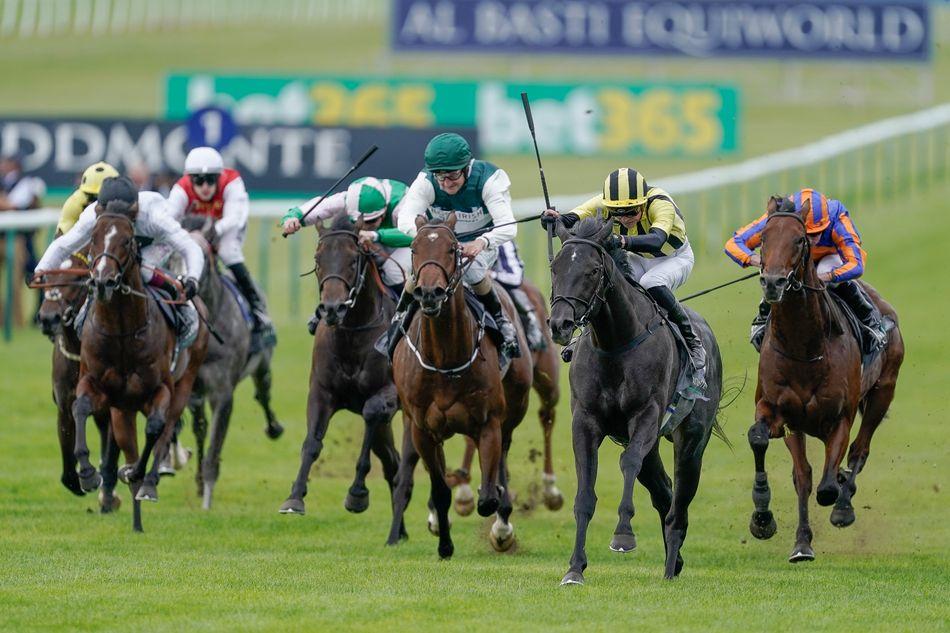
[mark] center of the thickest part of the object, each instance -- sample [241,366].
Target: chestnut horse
[126,357]
[811,381]
[448,379]
[346,372]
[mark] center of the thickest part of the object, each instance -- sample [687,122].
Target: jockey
[208,189]
[509,272]
[375,201]
[152,223]
[836,251]
[477,192]
[652,231]
[87,193]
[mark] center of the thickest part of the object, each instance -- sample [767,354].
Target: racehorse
[346,372]
[126,358]
[227,363]
[811,380]
[546,372]
[63,296]
[448,379]
[623,376]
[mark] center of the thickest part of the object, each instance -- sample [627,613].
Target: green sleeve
[394,238]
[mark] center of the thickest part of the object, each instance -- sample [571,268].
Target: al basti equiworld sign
[651,118]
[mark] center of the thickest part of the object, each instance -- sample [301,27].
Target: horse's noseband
[599,297]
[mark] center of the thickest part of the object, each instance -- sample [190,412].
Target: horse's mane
[343,222]
[588,227]
[119,207]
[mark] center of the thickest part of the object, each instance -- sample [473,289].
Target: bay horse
[346,372]
[547,368]
[63,297]
[126,357]
[448,379]
[226,364]
[811,380]
[623,376]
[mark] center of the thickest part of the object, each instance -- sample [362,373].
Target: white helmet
[203,160]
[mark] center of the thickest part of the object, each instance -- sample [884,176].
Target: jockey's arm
[661,214]
[72,208]
[419,197]
[331,207]
[849,248]
[158,224]
[743,242]
[68,243]
[177,203]
[497,198]
[236,207]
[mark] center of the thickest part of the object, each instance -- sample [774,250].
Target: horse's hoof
[180,456]
[502,536]
[623,543]
[763,525]
[572,578]
[464,500]
[828,494]
[71,481]
[206,494]
[488,507]
[125,473]
[843,515]
[292,506]
[90,483]
[446,552]
[274,431]
[553,499]
[802,553]
[109,504]
[147,492]
[165,469]
[356,502]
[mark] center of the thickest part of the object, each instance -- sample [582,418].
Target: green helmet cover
[447,152]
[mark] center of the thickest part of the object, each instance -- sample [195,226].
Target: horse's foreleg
[108,500]
[88,399]
[404,480]
[502,535]
[199,426]
[156,412]
[642,439]
[689,442]
[461,479]
[434,459]
[318,417]
[377,413]
[835,446]
[123,432]
[762,524]
[587,440]
[553,498]
[66,431]
[262,386]
[801,477]
[489,458]
[222,404]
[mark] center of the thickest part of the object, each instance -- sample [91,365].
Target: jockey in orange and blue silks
[835,249]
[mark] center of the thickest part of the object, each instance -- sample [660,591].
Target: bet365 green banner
[646,119]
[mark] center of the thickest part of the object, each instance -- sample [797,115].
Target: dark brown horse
[346,371]
[547,367]
[448,379]
[126,358]
[811,381]
[63,296]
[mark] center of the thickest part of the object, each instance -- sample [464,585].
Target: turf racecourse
[242,566]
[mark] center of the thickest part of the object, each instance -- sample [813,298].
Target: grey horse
[228,362]
[623,376]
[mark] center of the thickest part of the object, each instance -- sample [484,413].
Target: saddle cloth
[244,306]
[859,332]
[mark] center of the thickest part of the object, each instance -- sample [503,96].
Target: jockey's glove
[292,213]
[614,242]
[567,219]
[190,284]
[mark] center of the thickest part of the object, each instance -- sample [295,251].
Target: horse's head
[341,269]
[201,230]
[580,276]
[785,248]
[113,250]
[436,263]
[63,299]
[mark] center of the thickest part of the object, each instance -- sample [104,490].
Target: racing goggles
[204,179]
[621,212]
[451,176]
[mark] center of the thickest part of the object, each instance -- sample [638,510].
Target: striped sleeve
[848,243]
[590,208]
[744,241]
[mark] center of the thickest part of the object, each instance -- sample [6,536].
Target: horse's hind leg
[262,385]
[377,413]
[318,417]
[762,524]
[123,431]
[502,535]
[404,481]
[461,478]
[88,399]
[801,477]
[876,404]
[66,430]
[155,423]
[689,443]
[654,478]
[199,426]
[222,404]
[586,441]
[489,460]
[553,498]
[434,459]
[108,500]
[835,446]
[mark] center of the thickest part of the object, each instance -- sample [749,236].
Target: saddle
[864,338]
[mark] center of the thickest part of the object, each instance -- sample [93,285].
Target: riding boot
[758,325]
[405,308]
[529,319]
[492,303]
[262,323]
[676,314]
[866,312]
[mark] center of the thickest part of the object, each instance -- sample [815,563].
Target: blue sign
[211,127]
[874,29]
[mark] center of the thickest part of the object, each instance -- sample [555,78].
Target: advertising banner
[271,158]
[878,29]
[649,118]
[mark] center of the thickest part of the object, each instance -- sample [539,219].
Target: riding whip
[486,229]
[544,184]
[728,283]
[356,166]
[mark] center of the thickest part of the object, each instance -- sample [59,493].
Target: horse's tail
[732,389]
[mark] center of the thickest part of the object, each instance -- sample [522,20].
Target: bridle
[454,278]
[354,286]
[131,251]
[599,296]
[793,280]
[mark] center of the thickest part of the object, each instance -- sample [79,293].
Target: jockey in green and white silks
[477,193]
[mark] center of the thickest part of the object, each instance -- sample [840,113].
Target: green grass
[242,566]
